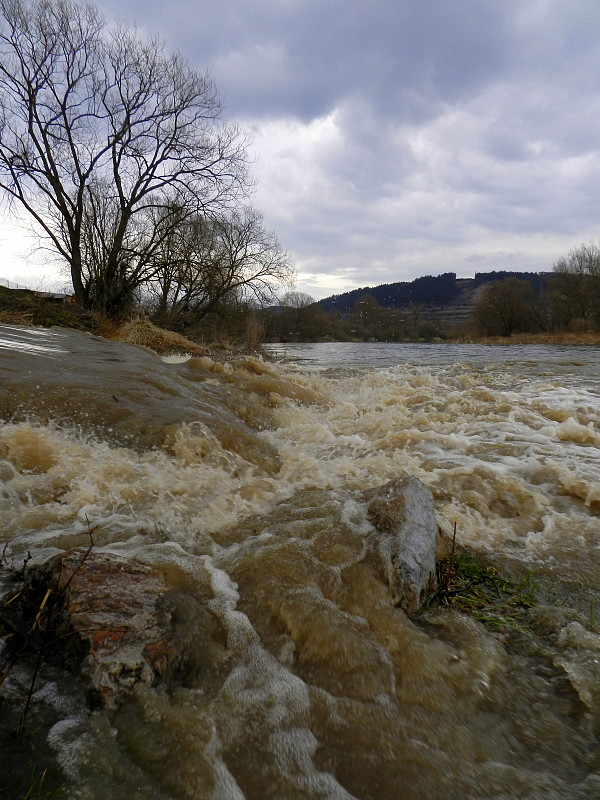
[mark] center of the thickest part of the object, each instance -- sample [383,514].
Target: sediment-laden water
[242,483]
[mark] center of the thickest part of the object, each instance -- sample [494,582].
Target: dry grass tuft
[16,318]
[140,331]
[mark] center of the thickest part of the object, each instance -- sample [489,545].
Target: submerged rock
[404,509]
[118,623]
[115,620]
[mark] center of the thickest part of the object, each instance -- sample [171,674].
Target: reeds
[469,585]
[29,620]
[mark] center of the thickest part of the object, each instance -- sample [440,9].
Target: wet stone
[404,510]
[115,621]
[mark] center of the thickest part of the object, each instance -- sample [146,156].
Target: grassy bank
[22,307]
[18,307]
[562,337]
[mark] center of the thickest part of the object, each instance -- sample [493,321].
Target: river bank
[24,308]
[563,338]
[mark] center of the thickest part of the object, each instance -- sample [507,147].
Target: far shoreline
[562,338]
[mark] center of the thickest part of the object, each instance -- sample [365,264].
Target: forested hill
[438,290]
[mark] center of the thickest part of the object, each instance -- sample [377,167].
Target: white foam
[176,358]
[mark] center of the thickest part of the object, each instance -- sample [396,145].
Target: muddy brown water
[241,483]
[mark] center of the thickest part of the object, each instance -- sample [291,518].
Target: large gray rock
[403,509]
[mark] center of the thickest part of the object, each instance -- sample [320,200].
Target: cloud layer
[406,137]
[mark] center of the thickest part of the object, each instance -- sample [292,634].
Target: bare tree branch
[205,261]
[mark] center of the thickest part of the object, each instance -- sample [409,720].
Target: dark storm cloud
[406,61]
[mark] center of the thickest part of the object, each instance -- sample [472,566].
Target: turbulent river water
[242,483]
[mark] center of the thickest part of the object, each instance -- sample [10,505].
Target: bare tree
[296,316]
[504,307]
[206,261]
[101,133]
[576,286]
[295,299]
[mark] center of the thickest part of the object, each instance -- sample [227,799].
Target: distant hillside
[447,299]
[438,290]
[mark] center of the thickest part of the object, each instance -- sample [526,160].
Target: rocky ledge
[115,621]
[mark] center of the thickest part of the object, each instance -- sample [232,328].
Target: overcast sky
[403,137]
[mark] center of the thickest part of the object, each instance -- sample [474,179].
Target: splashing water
[242,483]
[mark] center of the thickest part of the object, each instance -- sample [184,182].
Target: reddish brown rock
[115,618]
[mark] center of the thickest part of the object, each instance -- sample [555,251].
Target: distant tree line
[300,318]
[429,290]
[434,290]
[567,299]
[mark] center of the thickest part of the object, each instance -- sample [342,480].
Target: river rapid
[242,484]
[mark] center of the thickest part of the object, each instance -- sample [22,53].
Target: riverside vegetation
[559,306]
[236,324]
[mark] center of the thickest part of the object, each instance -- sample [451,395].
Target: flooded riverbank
[242,485]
